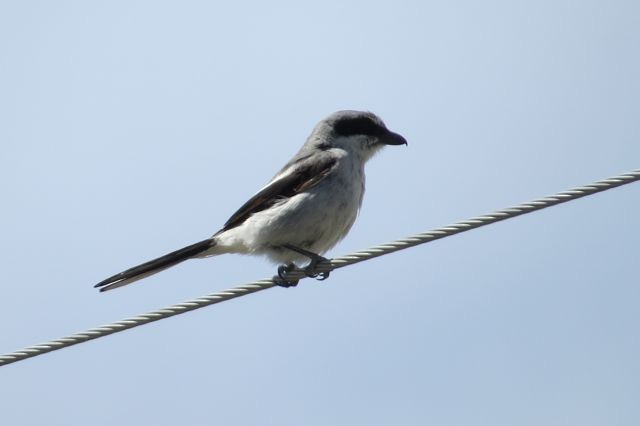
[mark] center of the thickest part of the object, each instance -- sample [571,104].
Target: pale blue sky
[134,128]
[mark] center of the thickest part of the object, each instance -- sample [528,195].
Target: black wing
[303,174]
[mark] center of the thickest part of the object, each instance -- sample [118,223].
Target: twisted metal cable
[335,263]
[487,219]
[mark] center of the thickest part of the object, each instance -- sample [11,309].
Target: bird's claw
[280,280]
[310,272]
[310,269]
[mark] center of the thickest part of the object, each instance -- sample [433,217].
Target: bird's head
[357,132]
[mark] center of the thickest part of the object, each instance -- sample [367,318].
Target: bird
[303,211]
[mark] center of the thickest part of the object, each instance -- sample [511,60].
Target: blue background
[132,128]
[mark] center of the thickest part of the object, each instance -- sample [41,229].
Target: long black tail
[154,266]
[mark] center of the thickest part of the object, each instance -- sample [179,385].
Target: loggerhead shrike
[303,211]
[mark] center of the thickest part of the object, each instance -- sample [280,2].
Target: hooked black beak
[392,138]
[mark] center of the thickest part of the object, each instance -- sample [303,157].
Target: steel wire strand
[327,266]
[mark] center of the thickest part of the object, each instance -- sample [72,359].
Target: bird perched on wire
[303,211]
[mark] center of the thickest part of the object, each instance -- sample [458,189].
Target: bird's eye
[359,126]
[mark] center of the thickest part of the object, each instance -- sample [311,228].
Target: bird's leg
[310,269]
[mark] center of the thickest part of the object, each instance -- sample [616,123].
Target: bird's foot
[310,269]
[281,280]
